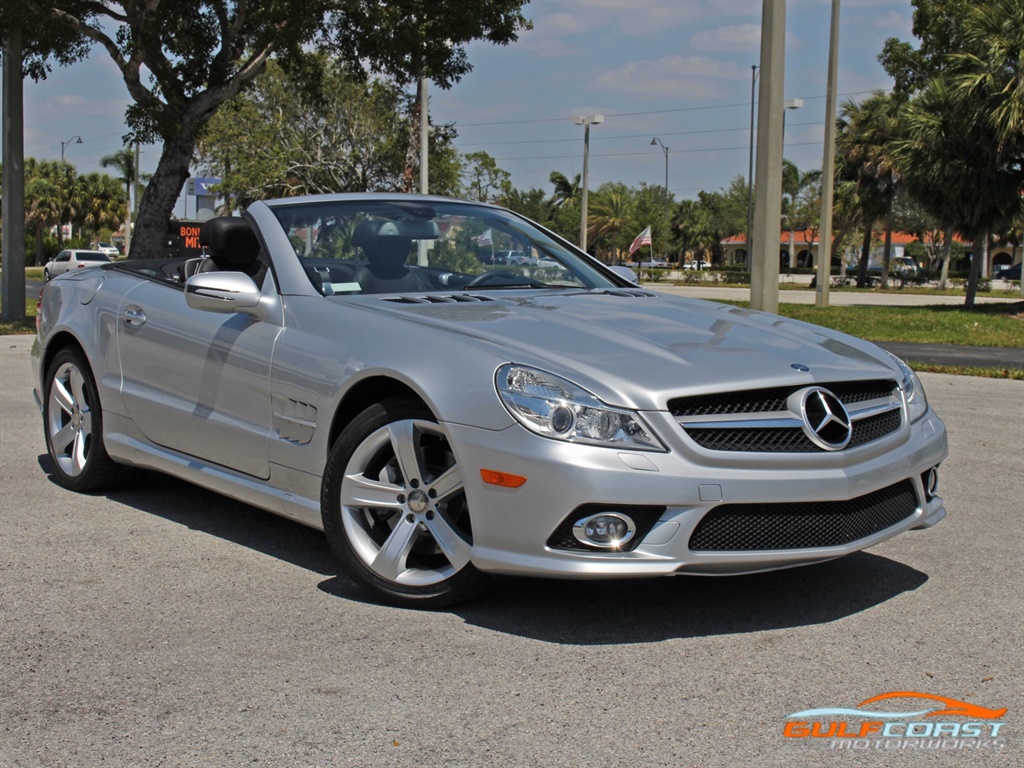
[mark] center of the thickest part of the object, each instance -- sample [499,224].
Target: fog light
[931,483]
[607,530]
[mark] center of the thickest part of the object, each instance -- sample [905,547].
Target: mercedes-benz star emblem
[826,422]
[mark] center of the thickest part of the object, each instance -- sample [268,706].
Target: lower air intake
[802,525]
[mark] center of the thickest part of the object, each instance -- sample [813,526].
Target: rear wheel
[394,508]
[73,426]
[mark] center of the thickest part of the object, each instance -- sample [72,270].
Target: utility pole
[424,138]
[764,280]
[12,280]
[824,273]
[586,121]
[750,173]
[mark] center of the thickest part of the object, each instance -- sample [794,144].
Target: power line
[619,136]
[652,154]
[647,112]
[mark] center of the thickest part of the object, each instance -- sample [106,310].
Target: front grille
[802,525]
[774,399]
[737,421]
[790,439]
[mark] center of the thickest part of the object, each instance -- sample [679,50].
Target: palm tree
[965,131]
[566,192]
[609,209]
[865,143]
[42,200]
[123,161]
[102,203]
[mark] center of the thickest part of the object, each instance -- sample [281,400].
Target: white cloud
[677,77]
[729,37]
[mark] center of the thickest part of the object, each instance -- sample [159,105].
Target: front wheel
[73,426]
[394,508]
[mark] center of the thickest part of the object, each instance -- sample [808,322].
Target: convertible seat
[386,251]
[232,246]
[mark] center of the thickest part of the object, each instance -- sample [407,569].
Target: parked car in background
[108,248]
[899,266]
[518,257]
[72,259]
[1008,273]
[442,425]
[694,265]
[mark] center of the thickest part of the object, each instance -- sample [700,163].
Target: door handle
[134,316]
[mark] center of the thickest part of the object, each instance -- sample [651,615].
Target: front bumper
[511,527]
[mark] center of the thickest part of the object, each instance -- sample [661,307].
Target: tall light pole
[668,220]
[72,140]
[828,166]
[789,104]
[750,168]
[586,121]
[764,277]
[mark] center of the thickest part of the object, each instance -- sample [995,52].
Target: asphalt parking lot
[163,625]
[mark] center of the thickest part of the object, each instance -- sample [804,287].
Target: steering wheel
[501,277]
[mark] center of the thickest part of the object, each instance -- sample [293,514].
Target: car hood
[636,348]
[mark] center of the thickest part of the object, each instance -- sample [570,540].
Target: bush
[740,276]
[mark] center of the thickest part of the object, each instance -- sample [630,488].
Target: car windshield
[91,256]
[399,246]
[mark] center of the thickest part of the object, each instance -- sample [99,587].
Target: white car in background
[107,248]
[72,259]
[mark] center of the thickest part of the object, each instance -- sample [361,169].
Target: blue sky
[676,69]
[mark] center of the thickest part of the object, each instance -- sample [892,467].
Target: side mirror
[625,273]
[224,293]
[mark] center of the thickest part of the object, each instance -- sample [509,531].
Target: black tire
[375,505]
[46,275]
[73,426]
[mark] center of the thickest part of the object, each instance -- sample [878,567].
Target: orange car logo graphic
[913,722]
[953,706]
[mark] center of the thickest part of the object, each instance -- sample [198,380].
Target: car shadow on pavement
[201,510]
[558,611]
[652,610]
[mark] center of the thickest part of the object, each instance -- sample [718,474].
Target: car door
[194,381]
[61,263]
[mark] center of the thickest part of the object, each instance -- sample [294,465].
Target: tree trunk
[40,256]
[865,253]
[162,193]
[979,258]
[947,253]
[887,250]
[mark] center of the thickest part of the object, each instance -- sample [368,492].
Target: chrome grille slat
[762,420]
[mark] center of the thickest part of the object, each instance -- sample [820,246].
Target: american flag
[644,238]
[484,239]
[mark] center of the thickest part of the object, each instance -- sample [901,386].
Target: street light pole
[586,121]
[73,139]
[668,221]
[789,104]
[750,169]
[828,165]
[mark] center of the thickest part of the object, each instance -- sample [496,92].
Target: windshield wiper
[504,286]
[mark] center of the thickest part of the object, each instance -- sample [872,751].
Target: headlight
[551,406]
[913,391]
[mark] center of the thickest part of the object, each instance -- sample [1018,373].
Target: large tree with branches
[182,59]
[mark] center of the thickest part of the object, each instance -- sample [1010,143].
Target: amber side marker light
[505,480]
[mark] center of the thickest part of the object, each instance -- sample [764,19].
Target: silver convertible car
[357,363]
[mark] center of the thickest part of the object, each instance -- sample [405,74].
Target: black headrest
[383,243]
[230,240]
